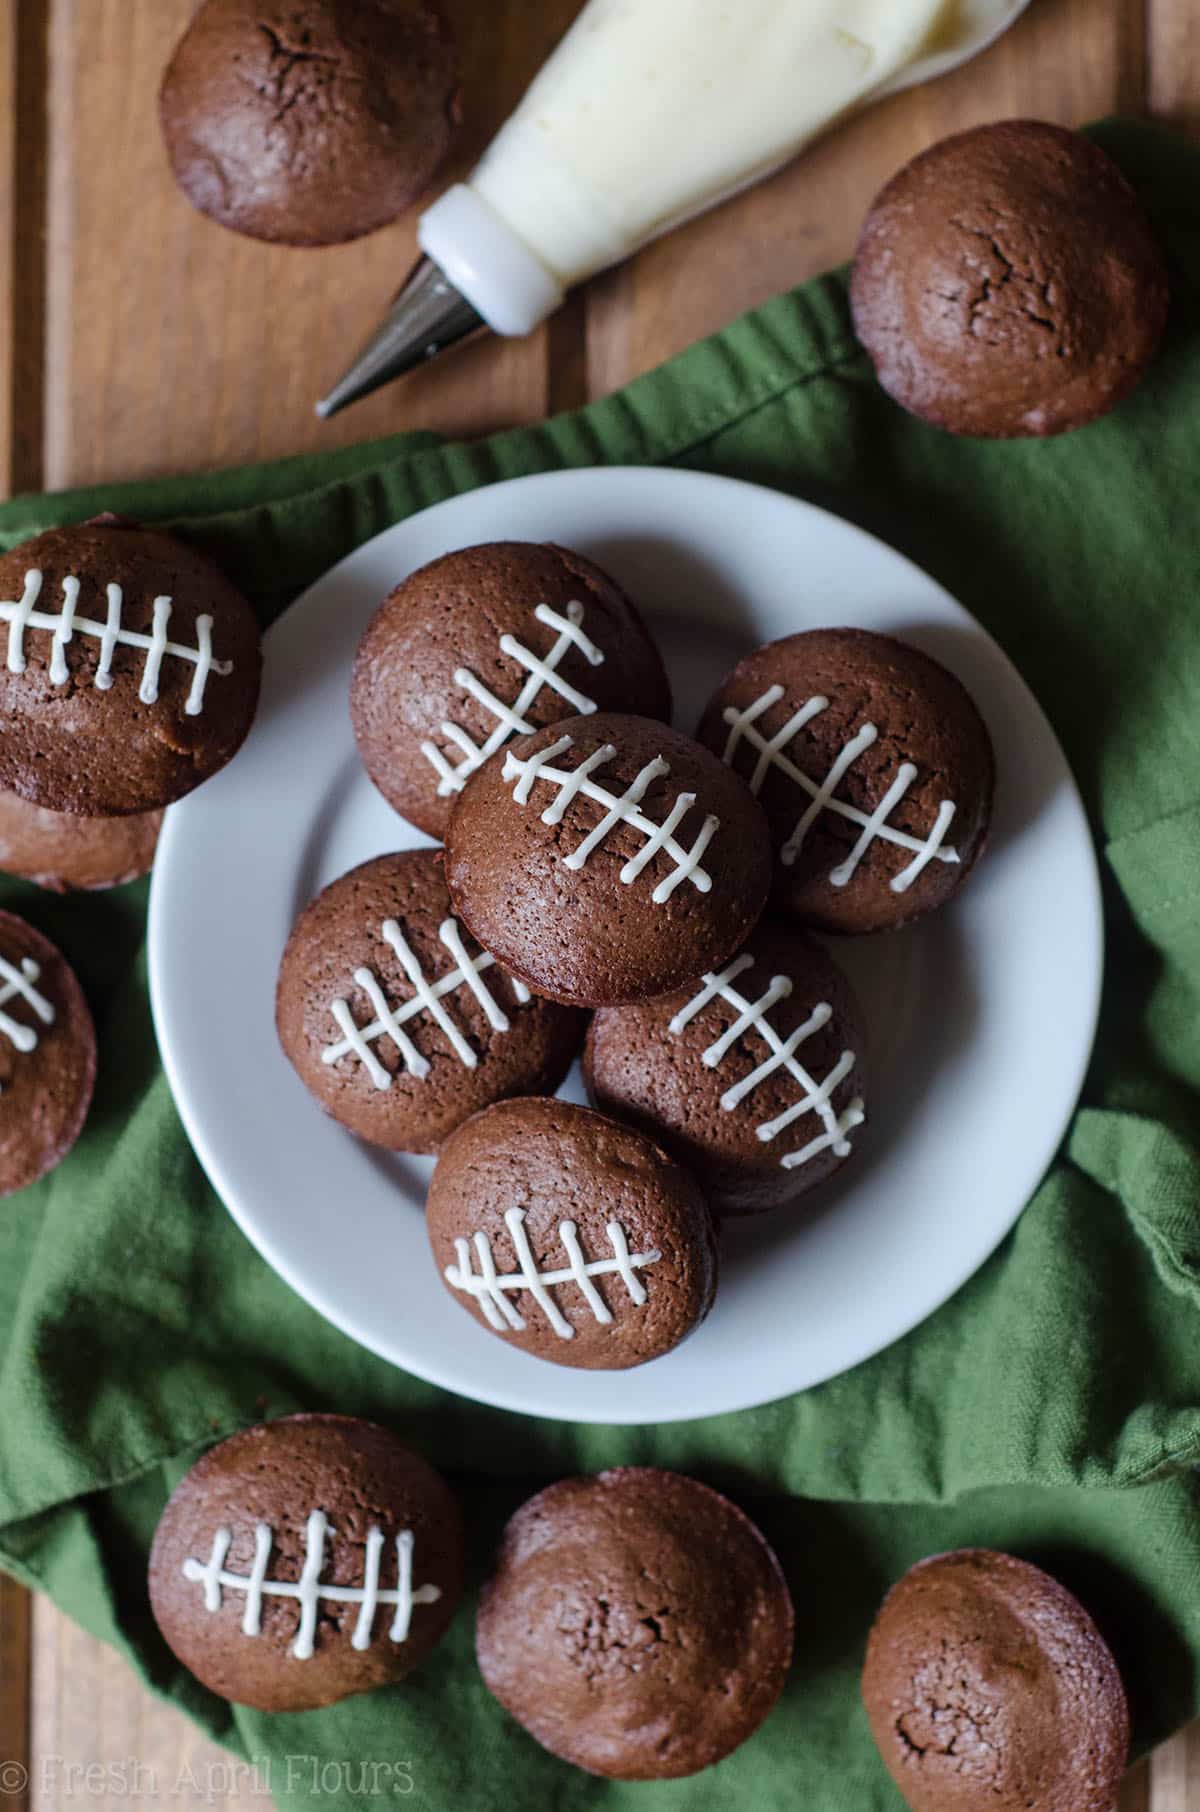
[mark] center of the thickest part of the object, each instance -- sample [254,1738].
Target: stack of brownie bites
[608,882]
[129,673]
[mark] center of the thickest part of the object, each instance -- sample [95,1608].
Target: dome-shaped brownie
[481,646]
[130,669]
[304,1560]
[571,1236]
[309,124]
[989,1688]
[752,1077]
[608,858]
[873,765]
[394,1018]
[64,853]
[1006,283]
[47,1055]
[636,1624]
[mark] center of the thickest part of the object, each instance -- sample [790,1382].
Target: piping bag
[647,113]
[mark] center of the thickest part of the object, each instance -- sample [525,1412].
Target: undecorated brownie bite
[47,1055]
[483,645]
[873,765]
[752,1077]
[395,1019]
[130,671]
[636,1623]
[570,1236]
[309,122]
[306,1559]
[65,853]
[989,1689]
[608,858]
[1007,283]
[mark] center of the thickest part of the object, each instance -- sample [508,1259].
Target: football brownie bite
[396,1021]
[309,122]
[130,671]
[636,1624]
[571,1236]
[64,853]
[304,1560]
[873,765]
[608,858]
[752,1076]
[47,1055]
[1007,283]
[989,1689]
[483,645]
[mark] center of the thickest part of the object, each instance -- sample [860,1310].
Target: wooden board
[136,338]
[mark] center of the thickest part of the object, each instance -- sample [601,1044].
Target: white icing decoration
[488,1287]
[390,1021]
[822,795]
[308,1590]
[617,810]
[511,720]
[817,1097]
[18,984]
[21,615]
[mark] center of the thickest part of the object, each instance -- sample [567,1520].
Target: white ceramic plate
[981,1020]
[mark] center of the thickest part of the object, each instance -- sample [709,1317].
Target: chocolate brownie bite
[1006,283]
[608,858]
[396,1021]
[483,645]
[752,1077]
[65,853]
[47,1055]
[130,672]
[635,1623]
[571,1236]
[309,122]
[874,767]
[989,1689]
[304,1560]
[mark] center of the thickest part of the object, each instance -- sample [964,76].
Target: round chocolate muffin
[873,765]
[571,1236]
[752,1077]
[636,1624]
[47,1055]
[304,1560]
[989,1689]
[608,858]
[131,670]
[65,853]
[480,646]
[396,1022]
[308,122]
[1006,283]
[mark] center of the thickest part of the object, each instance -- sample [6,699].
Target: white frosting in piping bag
[650,111]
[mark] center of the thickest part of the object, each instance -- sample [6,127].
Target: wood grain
[173,344]
[1173,73]
[1135,1794]
[98,1737]
[23,123]
[1174,1774]
[15,1640]
[137,338]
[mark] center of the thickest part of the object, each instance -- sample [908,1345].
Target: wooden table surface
[136,338]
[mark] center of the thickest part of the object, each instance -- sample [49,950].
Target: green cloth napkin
[1051,1408]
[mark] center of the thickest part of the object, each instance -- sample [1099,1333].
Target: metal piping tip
[427,316]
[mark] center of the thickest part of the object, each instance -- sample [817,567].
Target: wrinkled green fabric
[1052,1408]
